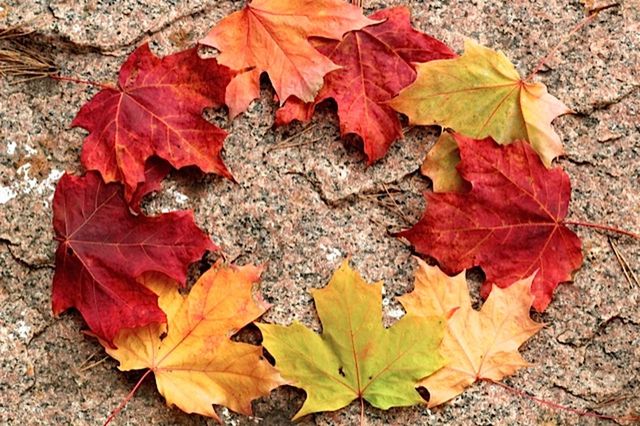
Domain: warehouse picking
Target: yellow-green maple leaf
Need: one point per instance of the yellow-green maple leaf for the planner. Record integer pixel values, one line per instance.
(197, 364)
(355, 357)
(481, 94)
(440, 165)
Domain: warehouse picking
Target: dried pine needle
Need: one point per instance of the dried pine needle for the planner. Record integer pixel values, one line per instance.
(20, 61)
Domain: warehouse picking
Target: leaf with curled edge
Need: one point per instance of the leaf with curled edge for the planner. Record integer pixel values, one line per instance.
(377, 63)
(103, 248)
(192, 356)
(510, 223)
(156, 110)
(272, 36)
(355, 357)
(478, 345)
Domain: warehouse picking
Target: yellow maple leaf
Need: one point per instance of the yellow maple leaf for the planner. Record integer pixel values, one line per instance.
(272, 36)
(196, 364)
(481, 94)
(477, 344)
(440, 165)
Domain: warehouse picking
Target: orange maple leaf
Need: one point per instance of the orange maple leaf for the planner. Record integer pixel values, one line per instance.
(477, 344)
(197, 364)
(272, 36)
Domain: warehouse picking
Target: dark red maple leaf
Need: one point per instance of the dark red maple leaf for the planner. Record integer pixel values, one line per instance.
(510, 223)
(155, 110)
(377, 62)
(155, 170)
(103, 248)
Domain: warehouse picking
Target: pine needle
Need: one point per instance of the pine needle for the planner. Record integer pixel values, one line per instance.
(19, 60)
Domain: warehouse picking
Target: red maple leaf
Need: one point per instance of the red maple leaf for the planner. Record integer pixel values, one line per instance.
(510, 223)
(103, 248)
(155, 170)
(377, 62)
(155, 110)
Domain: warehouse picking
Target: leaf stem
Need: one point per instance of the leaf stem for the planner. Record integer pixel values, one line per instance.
(126, 400)
(603, 228)
(362, 422)
(80, 81)
(563, 407)
(574, 30)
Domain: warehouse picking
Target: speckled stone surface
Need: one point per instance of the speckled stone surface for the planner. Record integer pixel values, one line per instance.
(301, 210)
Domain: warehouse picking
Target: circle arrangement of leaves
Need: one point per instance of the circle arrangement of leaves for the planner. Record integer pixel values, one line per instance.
(496, 199)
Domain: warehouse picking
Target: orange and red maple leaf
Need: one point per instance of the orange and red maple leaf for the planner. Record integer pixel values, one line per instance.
(156, 110)
(376, 64)
(272, 36)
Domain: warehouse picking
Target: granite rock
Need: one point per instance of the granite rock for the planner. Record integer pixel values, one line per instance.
(300, 210)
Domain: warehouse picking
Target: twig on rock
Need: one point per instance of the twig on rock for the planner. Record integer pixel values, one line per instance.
(624, 265)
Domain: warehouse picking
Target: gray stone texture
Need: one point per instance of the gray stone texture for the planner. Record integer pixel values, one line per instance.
(301, 210)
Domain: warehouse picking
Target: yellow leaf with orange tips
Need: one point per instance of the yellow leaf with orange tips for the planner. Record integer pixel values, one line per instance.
(272, 36)
(196, 365)
(477, 344)
(481, 94)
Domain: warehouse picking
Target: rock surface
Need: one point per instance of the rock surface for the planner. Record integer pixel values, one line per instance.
(300, 210)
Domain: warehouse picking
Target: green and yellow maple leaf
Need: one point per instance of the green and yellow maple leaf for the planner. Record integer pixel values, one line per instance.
(481, 94)
(355, 357)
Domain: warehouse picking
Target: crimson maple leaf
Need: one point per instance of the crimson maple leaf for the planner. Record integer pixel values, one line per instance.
(155, 170)
(510, 223)
(377, 62)
(103, 248)
(155, 110)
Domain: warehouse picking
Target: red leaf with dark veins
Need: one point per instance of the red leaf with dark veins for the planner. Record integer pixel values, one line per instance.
(103, 248)
(155, 110)
(510, 223)
(377, 62)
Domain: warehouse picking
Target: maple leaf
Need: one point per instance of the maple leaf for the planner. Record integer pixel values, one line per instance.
(103, 248)
(481, 94)
(155, 170)
(271, 36)
(194, 360)
(440, 164)
(510, 223)
(155, 110)
(377, 62)
(355, 357)
(477, 344)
